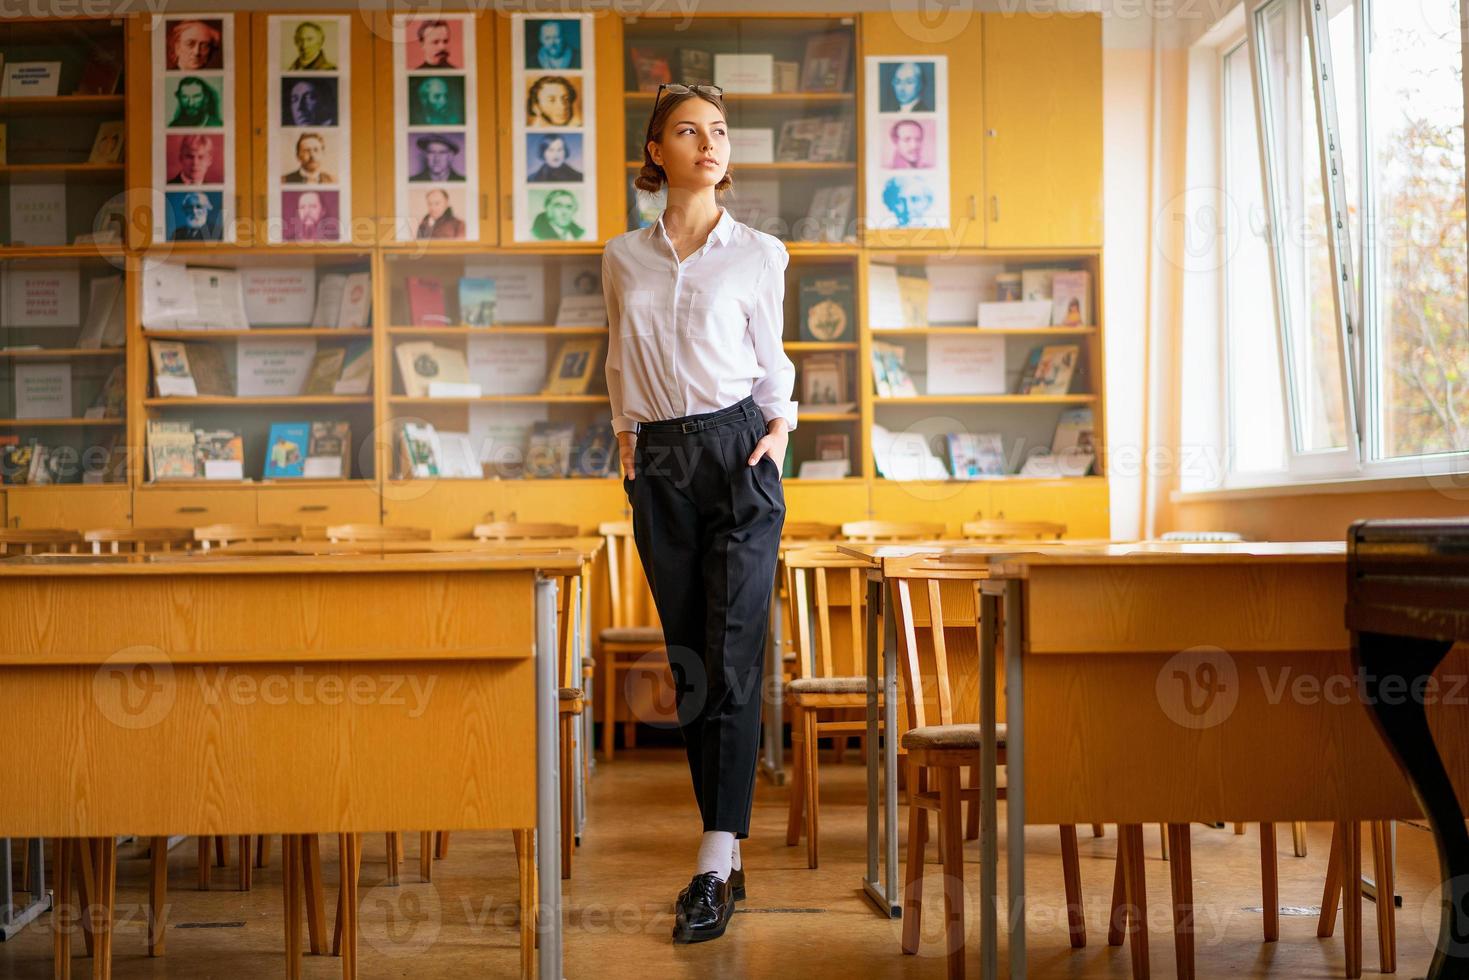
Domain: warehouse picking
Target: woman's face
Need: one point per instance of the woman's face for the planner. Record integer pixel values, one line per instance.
(694, 152)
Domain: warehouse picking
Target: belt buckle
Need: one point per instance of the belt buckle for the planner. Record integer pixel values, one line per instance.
(690, 427)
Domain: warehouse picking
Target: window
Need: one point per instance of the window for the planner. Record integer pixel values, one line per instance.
(1256, 413)
(1345, 293)
(1415, 266)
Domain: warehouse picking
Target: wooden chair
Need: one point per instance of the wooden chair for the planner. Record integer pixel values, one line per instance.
(220, 535)
(809, 531)
(1343, 882)
(35, 541)
(892, 530)
(830, 684)
(376, 532)
(139, 540)
(625, 641)
(1002, 530)
(513, 530)
(939, 746)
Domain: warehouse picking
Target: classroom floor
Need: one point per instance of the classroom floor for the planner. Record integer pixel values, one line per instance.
(641, 838)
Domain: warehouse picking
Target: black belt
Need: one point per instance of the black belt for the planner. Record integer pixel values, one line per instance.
(738, 412)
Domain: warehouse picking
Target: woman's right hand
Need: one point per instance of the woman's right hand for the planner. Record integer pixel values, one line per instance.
(625, 443)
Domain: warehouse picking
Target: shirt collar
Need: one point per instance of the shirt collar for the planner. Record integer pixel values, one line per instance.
(723, 228)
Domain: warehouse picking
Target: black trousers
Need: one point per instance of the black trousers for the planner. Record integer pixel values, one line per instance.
(707, 526)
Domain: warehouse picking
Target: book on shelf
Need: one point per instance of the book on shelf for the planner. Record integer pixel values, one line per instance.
(549, 451)
(457, 458)
(650, 68)
(476, 301)
(751, 144)
(177, 297)
(274, 367)
(1074, 444)
(101, 73)
(111, 399)
(756, 203)
(1007, 287)
(1036, 282)
(418, 450)
(828, 56)
(279, 296)
(889, 375)
(43, 390)
(884, 301)
(502, 432)
(798, 139)
(695, 66)
(327, 309)
(1019, 314)
(787, 76)
(965, 365)
(508, 364)
(905, 456)
(37, 212)
(1053, 370)
(211, 376)
(15, 459)
(329, 451)
(423, 363)
(827, 308)
(834, 139)
(31, 79)
(520, 287)
(954, 292)
(833, 445)
(219, 454)
(326, 369)
(355, 377)
(740, 74)
(913, 290)
(171, 375)
(171, 450)
(824, 382)
(582, 310)
(107, 144)
(356, 309)
(286, 448)
(1071, 298)
(3, 141)
(975, 455)
(824, 469)
(576, 361)
(830, 212)
(42, 297)
(426, 302)
(596, 452)
(106, 320)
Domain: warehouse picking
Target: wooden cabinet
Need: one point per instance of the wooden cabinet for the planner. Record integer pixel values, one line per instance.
(1081, 504)
(72, 507)
(1043, 130)
(953, 502)
(318, 506)
(958, 36)
(825, 501)
(190, 507)
(449, 508)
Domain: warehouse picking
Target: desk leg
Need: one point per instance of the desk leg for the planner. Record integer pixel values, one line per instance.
(1015, 775)
(773, 765)
(104, 897)
(989, 852)
(344, 942)
(1390, 666)
(884, 894)
(62, 922)
(548, 782)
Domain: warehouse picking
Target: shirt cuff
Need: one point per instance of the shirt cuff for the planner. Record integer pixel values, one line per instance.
(783, 410)
(621, 423)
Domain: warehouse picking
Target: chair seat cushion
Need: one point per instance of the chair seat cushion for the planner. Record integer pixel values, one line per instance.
(633, 634)
(569, 693)
(828, 685)
(948, 737)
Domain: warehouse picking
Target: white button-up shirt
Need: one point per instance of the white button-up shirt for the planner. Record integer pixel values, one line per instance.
(698, 335)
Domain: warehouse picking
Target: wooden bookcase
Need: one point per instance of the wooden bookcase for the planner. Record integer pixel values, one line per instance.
(1002, 217)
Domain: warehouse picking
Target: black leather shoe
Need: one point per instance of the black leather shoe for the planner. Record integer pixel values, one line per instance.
(736, 887)
(704, 909)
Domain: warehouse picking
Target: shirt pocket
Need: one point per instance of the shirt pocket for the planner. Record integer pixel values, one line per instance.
(717, 313)
(638, 313)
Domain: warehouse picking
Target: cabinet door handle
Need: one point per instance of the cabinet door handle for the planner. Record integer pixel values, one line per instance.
(995, 207)
(973, 207)
(312, 508)
(192, 510)
(484, 207)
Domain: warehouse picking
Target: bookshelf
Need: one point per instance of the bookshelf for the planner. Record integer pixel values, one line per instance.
(830, 261)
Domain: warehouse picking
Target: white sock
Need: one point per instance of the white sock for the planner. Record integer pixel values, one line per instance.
(734, 857)
(715, 848)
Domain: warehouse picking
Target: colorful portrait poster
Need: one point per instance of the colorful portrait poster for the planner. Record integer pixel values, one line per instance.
(193, 131)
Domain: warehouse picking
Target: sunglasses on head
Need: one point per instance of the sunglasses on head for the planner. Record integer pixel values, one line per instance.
(677, 88)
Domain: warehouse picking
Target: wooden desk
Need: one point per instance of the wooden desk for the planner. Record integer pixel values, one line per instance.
(253, 695)
(1207, 682)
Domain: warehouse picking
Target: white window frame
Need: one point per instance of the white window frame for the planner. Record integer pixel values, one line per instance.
(1354, 281)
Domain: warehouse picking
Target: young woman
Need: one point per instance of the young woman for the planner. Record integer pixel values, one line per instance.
(701, 402)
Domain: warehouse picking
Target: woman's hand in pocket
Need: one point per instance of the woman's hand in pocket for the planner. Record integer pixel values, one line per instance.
(626, 441)
(772, 444)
